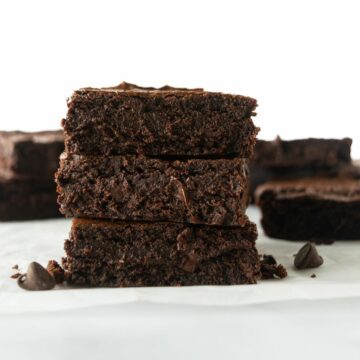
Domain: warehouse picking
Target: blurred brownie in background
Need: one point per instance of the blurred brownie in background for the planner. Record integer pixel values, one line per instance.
(28, 162)
(27, 199)
(315, 209)
(33, 155)
(296, 159)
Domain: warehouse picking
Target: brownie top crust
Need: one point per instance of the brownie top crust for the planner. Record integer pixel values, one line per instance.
(311, 152)
(132, 88)
(320, 188)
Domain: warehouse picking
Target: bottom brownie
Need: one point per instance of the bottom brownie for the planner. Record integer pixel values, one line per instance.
(320, 210)
(123, 254)
(27, 199)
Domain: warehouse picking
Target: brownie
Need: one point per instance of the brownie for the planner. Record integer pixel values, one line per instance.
(103, 253)
(351, 170)
(310, 209)
(198, 191)
(165, 122)
(27, 199)
(35, 155)
(296, 159)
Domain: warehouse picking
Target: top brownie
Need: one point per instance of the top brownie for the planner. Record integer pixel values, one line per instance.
(309, 153)
(169, 122)
(31, 155)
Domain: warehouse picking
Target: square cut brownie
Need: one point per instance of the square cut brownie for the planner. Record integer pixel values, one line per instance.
(104, 253)
(310, 209)
(165, 122)
(27, 199)
(295, 159)
(198, 191)
(32, 155)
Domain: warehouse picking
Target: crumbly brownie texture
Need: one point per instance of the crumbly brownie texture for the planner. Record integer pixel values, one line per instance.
(27, 199)
(160, 254)
(318, 210)
(166, 122)
(195, 191)
(297, 159)
(34, 155)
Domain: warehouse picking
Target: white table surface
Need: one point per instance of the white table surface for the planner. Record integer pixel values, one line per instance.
(296, 318)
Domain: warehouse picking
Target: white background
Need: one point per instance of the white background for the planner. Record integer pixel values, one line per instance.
(300, 59)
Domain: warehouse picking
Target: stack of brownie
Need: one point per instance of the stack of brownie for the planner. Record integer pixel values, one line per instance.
(157, 183)
(28, 162)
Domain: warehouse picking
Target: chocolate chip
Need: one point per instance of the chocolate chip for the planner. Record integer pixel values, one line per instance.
(180, 190)
(190, 262)
(313, 276)
(183, 238)
(308, 257)
(36, 278)
(15, 267)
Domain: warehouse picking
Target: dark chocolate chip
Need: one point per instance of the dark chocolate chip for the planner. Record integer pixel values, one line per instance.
(308, 257)
(190, 262)
(36, 278)
(183, 238)
(15, 267)
(313, 276)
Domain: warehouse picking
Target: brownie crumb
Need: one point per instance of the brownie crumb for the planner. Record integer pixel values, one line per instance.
(15, 267)
(270, 269)
(313, 276)
(16, 275)
(56, 271)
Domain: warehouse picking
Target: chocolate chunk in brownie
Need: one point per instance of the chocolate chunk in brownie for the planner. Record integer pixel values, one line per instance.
(195, 191)
(27, 199)
(320, 210)
(165, 122)
(104, 253)
(296, 159)
(34, 155)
